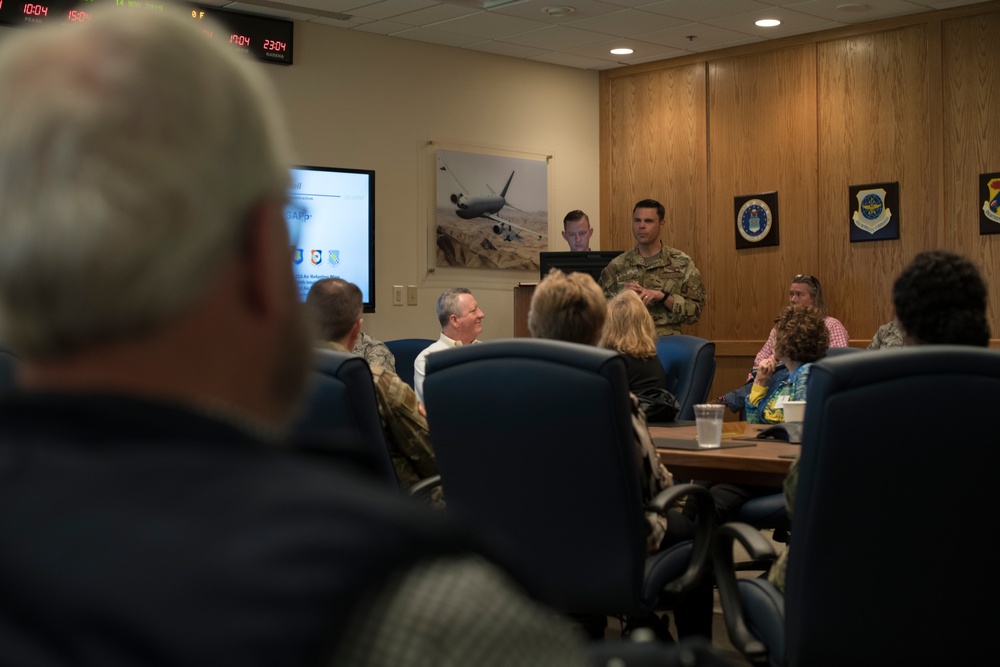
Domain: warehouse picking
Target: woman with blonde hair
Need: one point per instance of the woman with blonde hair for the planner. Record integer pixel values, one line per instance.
(630, 332)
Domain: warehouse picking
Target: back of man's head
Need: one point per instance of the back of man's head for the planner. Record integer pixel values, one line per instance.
(334, 306)
(131, 156)
(940, 299)
(569, 307)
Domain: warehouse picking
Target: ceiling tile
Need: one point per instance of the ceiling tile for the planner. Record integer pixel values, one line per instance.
(556, 38)
(792, 23)
(579, 62)
(485, 25)
(602, 50)
(388, 9)
(627, 22)
(431, 15)
(704, 9)
(706, 37)
(505, 49)
(827, 9)
(436, 36)
(288, 15)
(383, 27)
(532, 9)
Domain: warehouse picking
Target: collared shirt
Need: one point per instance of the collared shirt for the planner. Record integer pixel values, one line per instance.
(420, 363)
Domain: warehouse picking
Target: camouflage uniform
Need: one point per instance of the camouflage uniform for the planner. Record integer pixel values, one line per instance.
(888, 335)
(405, 428)
(374, 352)
(670, 271)
(777, 574)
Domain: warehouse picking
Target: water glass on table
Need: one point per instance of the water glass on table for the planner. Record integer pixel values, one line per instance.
(708, 417)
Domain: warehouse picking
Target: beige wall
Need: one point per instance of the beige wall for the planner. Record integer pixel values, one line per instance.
(372, 102)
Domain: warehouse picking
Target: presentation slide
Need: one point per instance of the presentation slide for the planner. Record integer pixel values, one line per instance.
(330, 223)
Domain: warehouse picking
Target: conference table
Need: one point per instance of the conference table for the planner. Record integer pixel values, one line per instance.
(743, 459)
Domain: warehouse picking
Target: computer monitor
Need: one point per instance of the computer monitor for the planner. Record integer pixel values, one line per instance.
(591, 261)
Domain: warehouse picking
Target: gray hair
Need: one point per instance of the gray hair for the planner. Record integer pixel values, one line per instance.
(448, 304)
(130, 158)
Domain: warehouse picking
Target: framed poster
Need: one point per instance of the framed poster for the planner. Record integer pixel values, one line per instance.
(756, 220)
(491, 210)
(874, 211)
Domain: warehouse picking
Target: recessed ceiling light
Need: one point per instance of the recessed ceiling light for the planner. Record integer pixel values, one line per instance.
(558, 11)
(768, 23)
(621, 52)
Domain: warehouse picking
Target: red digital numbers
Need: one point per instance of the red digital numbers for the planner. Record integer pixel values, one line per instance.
(274, 45)
(78, 15)
(35, 10)
(239, 40)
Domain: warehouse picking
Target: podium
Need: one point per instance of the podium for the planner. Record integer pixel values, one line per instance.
(522, 303)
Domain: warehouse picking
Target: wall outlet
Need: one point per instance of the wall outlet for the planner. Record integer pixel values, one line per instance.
(397, 295)
(411, 295)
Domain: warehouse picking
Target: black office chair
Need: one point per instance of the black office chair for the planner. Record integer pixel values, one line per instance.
(8, 370)
(406, 351)
(536, 447)
(890, 559)
(689, 364)
(840, 351)
(341, 412)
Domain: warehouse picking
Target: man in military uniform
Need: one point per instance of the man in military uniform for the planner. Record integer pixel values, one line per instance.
(374, 352)
(335, 306)
(665, 278)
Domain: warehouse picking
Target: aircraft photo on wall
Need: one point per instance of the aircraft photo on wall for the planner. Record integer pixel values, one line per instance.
(492, 211)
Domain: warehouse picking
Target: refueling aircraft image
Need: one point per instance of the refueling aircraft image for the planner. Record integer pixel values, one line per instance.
(469, 206)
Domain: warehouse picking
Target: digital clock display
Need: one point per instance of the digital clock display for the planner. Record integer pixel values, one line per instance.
(264, 38)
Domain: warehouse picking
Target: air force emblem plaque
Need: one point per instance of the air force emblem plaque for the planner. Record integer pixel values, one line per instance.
(874, 211)
(756, 220)
(871, 214)
(989, 195)
(333, 257)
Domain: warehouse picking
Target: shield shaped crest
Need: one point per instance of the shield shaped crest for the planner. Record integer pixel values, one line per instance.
(872, 213)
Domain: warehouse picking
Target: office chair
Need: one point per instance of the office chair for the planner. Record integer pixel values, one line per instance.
(8, 369)
(536, 447)
(341, 413)
(840, 351)
(689, 364)
(886, 564)
(406, 351)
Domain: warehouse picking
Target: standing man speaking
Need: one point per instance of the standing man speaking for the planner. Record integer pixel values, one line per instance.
(665, 278)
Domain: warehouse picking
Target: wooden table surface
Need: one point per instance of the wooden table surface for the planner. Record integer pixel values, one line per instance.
(764, 462)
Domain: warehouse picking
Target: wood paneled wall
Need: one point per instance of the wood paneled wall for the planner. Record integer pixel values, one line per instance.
(911, 99)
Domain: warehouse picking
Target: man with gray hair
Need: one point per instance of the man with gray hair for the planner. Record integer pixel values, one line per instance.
(148, 515)
(461, 323)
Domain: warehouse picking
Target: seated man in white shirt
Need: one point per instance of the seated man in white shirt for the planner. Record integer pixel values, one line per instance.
(804, 291)
(461, 324)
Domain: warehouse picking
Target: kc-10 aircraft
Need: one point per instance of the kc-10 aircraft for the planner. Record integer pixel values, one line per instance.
(486, 206)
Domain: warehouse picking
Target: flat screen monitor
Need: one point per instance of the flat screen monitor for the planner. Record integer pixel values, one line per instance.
(331, 221)
(592, 261)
